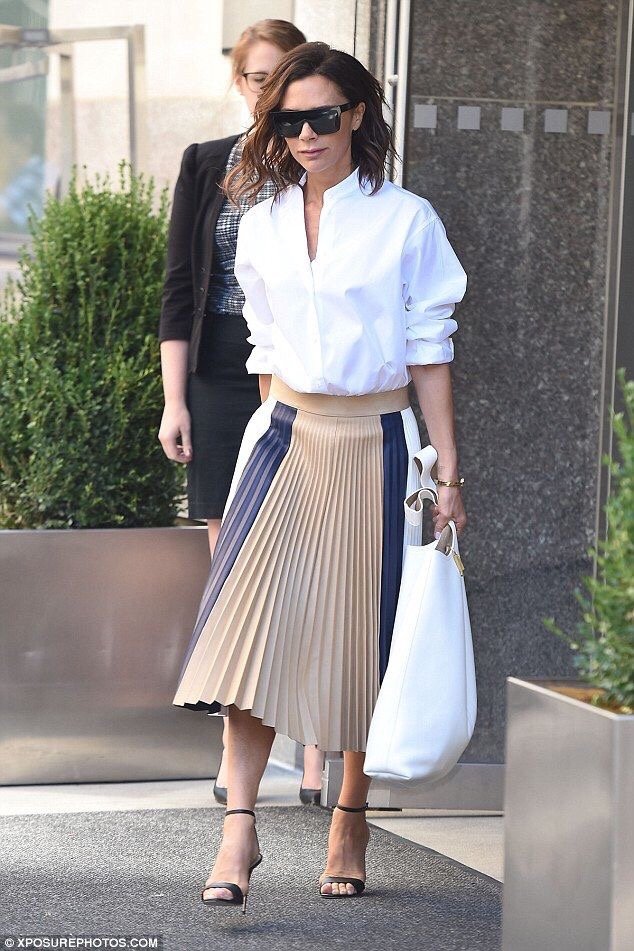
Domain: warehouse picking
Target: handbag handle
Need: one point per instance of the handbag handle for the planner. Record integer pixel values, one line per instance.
(424, 460)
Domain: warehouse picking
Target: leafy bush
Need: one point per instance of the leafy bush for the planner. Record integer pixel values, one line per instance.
(80, 384)
(604, 645)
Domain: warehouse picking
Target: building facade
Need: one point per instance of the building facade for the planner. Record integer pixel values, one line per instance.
(515, 121)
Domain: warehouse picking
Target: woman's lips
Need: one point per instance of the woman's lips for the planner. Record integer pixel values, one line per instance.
(313, 152)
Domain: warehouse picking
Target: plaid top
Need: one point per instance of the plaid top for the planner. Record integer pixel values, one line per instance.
(225, 294)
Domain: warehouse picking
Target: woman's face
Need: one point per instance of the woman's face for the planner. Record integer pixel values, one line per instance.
(321, 153)
(261, 60)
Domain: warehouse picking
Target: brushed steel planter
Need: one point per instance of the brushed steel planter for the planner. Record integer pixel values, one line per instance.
(95, 623)
(569, 823)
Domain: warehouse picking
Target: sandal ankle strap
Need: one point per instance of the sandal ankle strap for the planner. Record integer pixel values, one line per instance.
(228, 812)
(351, 808)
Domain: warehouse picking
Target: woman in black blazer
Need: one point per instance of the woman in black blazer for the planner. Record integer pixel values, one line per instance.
(209, 396)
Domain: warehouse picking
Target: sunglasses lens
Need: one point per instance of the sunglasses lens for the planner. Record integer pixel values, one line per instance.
(289, 130)
(324, 124)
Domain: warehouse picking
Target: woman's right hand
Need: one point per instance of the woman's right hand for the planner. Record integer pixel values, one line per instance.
(175, 423)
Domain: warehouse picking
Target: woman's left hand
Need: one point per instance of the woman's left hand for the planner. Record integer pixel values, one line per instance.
(449, 506)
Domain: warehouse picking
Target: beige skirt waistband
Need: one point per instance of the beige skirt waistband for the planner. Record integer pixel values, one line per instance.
(330, 404)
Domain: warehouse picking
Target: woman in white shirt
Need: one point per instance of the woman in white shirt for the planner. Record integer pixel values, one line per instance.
(350, 285)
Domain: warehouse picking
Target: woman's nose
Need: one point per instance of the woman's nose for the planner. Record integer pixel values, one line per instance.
(307, 132)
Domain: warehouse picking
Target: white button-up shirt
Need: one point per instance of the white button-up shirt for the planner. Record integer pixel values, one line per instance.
(378, 296)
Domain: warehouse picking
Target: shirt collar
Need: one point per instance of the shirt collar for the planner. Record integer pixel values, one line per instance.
(348, 186)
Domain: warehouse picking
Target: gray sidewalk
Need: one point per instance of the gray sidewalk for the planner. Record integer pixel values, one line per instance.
(139, 873)
(475, 840)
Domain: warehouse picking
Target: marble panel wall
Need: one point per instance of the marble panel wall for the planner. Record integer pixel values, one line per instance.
(508, 135)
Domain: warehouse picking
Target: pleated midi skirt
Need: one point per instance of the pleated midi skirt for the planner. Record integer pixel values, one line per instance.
(295, 622)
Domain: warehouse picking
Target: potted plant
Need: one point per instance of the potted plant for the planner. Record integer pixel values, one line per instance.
(100, 579)
(569, 811)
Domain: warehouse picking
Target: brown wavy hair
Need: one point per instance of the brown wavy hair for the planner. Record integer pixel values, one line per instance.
(280, 33)
(265, 155)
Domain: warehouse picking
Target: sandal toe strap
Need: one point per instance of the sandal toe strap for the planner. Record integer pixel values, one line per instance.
(342, 879)
(235, 890)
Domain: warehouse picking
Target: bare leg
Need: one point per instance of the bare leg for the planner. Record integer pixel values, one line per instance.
(349, 833)
(213, 530)
(221, 778)
(248, 749)
(313, 767)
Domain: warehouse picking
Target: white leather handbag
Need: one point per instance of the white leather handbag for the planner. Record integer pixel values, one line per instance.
(425, 711)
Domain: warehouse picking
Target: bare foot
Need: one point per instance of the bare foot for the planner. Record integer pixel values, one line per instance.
(347, 842)
(239, 849)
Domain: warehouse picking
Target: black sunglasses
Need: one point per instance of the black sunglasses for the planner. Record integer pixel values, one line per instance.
(323, 121)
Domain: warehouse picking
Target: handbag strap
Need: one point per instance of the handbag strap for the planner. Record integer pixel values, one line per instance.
(424, 459)
(414, 505)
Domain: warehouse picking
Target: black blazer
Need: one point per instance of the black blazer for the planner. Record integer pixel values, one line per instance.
(195, 209)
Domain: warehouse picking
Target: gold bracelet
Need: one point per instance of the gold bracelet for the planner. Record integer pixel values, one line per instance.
(459, 483)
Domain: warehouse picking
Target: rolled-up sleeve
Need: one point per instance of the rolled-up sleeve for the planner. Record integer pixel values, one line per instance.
(433, 282)
(256, 310)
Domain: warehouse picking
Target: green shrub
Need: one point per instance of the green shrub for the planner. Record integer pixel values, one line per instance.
(604, 645)
(80, 384)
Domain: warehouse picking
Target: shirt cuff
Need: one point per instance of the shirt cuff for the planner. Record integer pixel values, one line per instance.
(424, 351)
(260, 360)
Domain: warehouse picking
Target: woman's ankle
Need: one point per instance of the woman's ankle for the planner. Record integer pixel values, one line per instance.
(351, 804)
(313, 766)
(249, 815)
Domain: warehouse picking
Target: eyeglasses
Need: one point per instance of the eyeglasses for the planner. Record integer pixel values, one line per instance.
(323, 121)
(255, 81)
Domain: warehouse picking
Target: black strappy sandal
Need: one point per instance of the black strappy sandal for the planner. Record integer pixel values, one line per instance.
(238, 897)
(310, 797)
(307, 795)
(342, 879)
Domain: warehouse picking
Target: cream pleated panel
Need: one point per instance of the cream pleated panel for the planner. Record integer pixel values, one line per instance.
(293, 634)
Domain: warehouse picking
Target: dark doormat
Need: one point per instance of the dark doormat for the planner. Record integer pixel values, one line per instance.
(140, 872)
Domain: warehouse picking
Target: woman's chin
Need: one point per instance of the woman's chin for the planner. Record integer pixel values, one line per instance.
(317, 163)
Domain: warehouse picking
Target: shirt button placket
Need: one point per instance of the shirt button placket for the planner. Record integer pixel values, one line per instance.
(316, 323)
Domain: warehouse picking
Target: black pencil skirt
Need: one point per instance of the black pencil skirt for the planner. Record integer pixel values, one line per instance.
(221, 399)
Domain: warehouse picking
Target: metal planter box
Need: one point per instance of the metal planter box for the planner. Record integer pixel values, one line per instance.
(94, 626)
(569, 823)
